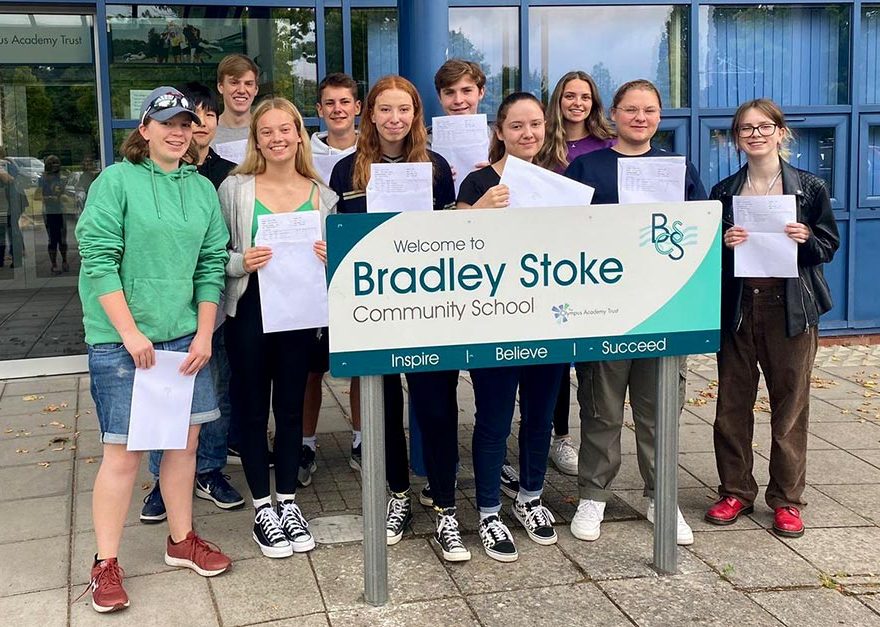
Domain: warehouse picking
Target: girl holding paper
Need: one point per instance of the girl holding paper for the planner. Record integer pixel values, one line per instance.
(153, 246)
(519, 131)
(771, 322)
(275, 177)
(393, 131)
(602, 386)
(576, 125)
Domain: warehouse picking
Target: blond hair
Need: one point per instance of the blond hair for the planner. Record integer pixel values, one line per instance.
(254, 161)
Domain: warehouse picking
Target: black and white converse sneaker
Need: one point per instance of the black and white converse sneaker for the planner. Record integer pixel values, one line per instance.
(269, 535)
(448, 536)
(537, 520)
(509, 480)
(497, 539)
(295, 527)
(397, 516)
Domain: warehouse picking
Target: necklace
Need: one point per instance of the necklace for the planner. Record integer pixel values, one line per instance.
(769, 185)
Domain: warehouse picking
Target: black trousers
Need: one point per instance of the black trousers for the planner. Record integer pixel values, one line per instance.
(264, 368)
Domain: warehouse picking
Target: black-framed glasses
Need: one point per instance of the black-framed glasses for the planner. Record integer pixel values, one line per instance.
(763, 130)
(166, 101)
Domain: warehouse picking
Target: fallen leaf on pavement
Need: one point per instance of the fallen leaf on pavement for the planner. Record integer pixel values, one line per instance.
(32, 397)
(43, 464)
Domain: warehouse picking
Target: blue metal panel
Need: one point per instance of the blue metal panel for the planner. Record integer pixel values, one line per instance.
(836, 276)
(422, 40)
(866, 296)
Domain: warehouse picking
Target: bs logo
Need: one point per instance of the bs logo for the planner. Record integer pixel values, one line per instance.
(668, 240)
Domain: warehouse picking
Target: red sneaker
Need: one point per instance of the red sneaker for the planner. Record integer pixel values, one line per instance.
(192, 552)
(787, 522)
(108, 595)
(726, 510)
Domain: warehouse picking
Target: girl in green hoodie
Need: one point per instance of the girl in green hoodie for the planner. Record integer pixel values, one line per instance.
(153, 247)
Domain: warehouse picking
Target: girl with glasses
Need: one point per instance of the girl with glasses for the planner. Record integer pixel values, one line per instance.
(153, 247)
(602, 386)
(771, 322)
(519, 131)
(275, 177)
(393, 131)
(576, 125)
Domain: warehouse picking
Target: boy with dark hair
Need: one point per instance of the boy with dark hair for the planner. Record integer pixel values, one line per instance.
(460, 86)
(338, 106)
(211, 483)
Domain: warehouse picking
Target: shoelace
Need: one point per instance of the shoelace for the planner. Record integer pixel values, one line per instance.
(494, 531)
(447, 527)
(202, 547)
(396, 512)
(270, 525)
(566, 450)
(508, 474)
(293, 520)
(589, 511)
(111, 574)
(538, 516)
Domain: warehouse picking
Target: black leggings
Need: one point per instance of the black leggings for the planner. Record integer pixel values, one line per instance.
(266, 366)
(560, 412)
(56, 228)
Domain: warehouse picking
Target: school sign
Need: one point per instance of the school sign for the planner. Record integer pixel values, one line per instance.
(469, 289)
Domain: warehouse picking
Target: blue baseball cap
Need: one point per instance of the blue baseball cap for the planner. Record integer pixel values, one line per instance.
(163, 103)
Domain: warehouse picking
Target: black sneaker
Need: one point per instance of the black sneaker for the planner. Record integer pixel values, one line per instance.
(425, 496)
(509, 480)
(269, 535)
(153, 510)
(307, 466)
(398, 516)
(537, 520)
(295, 527)
(497, 539)
(355, 460)
(448, 536)
(215, 486)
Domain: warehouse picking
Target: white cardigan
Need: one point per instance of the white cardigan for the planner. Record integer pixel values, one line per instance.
(237, 197)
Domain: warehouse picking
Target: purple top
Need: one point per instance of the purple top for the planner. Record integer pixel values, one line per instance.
(584, 145)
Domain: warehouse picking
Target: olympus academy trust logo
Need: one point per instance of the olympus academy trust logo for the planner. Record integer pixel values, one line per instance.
(667, 239)
(561, 313)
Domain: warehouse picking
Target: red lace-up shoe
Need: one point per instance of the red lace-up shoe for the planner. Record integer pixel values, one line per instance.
(192, 552)
(726, 510)
(108, 595)
(787, 522)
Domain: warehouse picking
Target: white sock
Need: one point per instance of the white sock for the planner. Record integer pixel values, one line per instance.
(258, 503)
(311, 441)
(283, 498)
(485, 515)
(355, 438)
(524, 498)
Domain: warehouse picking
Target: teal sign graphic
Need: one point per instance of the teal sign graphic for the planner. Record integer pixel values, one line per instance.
(469, 289)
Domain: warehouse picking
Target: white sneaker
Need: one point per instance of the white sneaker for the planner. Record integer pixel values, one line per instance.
(587, 521)
(684, 534)
(564, 456)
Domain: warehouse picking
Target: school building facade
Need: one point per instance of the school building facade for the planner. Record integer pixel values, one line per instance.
(73, 74)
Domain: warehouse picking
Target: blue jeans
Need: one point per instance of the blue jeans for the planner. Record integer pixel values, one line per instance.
(495, 396)
(211, 453)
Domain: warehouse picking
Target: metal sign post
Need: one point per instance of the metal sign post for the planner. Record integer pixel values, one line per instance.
(666, 467)
(373, 490)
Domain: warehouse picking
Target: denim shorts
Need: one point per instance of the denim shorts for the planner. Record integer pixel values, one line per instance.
(112, 372)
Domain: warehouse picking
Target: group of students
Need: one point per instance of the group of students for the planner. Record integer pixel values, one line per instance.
(164, 251)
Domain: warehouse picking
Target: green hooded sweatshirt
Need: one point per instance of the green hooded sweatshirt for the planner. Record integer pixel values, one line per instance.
(157, 236)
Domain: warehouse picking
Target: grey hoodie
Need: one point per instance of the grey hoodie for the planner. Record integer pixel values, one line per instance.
(320, 146)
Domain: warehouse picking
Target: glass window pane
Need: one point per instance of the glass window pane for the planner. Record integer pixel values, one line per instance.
(559, 42)
(664, 140)
(49, 157)
(152, 45)
(373, 45)
(812, 149)
(794, 55)
(871, 46)
(872, 171)
(333, 52)
(496, 49)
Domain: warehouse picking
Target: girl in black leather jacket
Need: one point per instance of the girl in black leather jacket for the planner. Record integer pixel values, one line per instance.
(771, 322)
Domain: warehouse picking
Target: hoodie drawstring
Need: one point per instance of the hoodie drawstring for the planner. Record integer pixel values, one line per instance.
(179, 176)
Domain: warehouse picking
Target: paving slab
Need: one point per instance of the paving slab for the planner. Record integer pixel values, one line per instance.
(702, 466)
(848, 551)
(822, 411)
(172, 598)
(858, 498)
(33, 480)
(872, 456)
(31, 519)
(836, 467)
(60, 423)
(872, 601)
(693, 503)
(26, 451)
(48, 608)
(625, 549)
(25, 568)
(448, 612)
(815, 608)
(312, 620)
(582, 603)
(821, 511)
(18, 404)
(699, 599)
(850, 435)
(287, 589)
(40, 385)
(733, 555)
(414, 574)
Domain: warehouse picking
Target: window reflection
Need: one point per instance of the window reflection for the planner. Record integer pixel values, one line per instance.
(871, 46)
